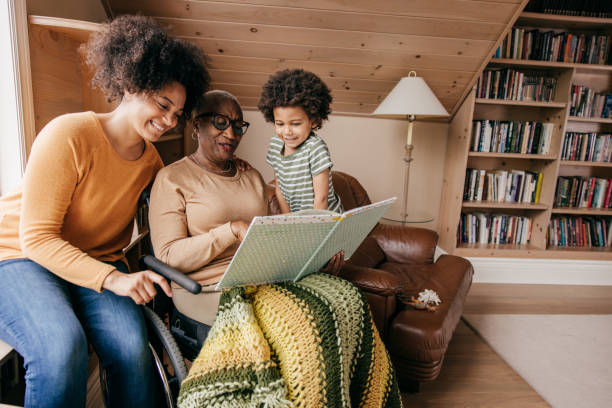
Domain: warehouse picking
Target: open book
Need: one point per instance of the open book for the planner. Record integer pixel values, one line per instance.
(288, 247)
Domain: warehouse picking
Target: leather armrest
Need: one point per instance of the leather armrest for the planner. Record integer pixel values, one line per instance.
(371, 280)
(406, 244)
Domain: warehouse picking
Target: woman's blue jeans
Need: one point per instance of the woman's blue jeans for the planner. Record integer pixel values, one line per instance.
(50, 321)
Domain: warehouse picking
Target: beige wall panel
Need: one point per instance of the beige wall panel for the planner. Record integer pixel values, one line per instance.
(326, 38)
(311, 18)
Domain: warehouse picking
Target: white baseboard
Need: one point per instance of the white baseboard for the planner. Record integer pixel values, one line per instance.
(540, 271)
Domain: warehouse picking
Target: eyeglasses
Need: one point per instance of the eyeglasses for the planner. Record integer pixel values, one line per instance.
(222, 122)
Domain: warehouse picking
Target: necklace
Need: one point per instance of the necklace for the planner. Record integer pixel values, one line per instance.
(230, 166)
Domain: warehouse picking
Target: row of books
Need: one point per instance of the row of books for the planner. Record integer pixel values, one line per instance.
(511, 136)
(533, 44)
(591, 147)
(514, 85)
(588, 232)
(514, 186)
(587, 103)
(586, 8)
(582, 192)
(484, 228)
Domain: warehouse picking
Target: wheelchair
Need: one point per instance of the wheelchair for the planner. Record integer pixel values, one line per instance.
(173, 337)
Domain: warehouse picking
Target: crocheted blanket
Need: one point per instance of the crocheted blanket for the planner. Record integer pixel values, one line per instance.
(307, 344)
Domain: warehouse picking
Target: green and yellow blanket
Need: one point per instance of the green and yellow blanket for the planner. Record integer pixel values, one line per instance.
(307, 344)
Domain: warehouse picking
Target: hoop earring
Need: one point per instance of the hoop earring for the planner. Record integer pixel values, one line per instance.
(195, 135)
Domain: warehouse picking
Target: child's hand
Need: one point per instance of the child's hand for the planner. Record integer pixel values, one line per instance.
(335, 264)
(242, 165)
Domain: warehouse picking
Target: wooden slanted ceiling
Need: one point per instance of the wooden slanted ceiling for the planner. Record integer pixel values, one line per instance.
(361, 48)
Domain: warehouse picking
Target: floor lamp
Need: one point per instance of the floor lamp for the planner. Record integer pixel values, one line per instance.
(410, 98)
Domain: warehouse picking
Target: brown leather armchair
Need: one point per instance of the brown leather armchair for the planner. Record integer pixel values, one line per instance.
(395, 262)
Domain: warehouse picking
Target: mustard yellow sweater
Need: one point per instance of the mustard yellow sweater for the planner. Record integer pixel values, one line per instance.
(76, 203)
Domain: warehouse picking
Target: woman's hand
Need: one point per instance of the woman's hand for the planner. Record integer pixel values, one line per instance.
(242, 165)
(239, 229)
(335, 264)
(138, 286)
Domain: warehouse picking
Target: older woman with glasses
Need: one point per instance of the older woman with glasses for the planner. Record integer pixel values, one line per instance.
(201, 205)
(311, 343)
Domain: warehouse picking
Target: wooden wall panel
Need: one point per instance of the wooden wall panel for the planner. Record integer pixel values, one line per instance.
(56, 79)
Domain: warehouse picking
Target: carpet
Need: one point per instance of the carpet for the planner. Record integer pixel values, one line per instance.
(567, 359)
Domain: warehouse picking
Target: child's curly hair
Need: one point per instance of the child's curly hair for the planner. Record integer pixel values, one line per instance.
(296, 87)
(135, 54)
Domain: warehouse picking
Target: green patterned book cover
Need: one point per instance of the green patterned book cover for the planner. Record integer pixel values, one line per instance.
(288, 247)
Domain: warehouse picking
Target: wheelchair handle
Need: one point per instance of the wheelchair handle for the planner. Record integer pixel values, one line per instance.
(168, 272)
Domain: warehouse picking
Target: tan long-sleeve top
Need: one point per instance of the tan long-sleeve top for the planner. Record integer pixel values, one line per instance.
(190, 214)
(76, 203)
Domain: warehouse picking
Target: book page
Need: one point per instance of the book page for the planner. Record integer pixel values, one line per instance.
(288, 247)
(347, 235)
(275, 248)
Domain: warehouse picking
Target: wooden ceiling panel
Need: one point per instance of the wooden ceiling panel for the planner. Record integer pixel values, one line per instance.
(468, 10)
(222, 62)
(410, 60)
(360, 48)
(316, 18)
(324, 37)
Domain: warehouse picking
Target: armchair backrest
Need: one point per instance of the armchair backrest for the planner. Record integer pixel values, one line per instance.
(351, 192)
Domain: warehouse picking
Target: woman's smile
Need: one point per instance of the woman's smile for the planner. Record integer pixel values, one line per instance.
(157, 126)
(227, 146)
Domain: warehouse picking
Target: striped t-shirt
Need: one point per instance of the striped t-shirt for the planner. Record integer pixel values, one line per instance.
(294, 172)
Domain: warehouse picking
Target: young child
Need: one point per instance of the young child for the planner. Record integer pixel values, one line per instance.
(297, 102)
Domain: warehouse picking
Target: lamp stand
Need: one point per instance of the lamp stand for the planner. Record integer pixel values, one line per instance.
(407, 161)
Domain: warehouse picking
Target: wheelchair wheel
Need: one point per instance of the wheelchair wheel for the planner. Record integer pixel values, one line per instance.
(163, 347)
(165, 350)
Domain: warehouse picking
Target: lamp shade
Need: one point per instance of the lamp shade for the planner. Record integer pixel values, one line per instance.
(411, 96)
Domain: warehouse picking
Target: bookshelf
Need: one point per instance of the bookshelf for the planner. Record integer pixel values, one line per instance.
(460, 157)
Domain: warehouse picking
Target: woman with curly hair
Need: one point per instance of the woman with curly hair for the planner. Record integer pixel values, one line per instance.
(297, 102)
(64, 276)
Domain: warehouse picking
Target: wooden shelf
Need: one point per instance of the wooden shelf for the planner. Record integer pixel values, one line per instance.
(561, 21)
(589, 120)
(561, 252)
(584, 163)
(520, 63)
(513, 155)
(553, 105)
(529, 251)
(595, 212)
(505, 206)
(76, 29)
(500, 250)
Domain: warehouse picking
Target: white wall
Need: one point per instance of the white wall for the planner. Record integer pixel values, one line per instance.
(12, 153)
(371, 150)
